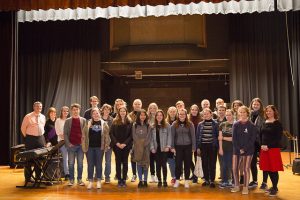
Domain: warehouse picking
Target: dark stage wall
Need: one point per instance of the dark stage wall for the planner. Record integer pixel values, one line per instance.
(6, 19)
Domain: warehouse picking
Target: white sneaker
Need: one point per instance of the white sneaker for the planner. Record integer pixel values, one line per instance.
(152, 179)
(98, 184)
(133, 178)
(187, 184)
(155, 179)
(90, 185)
(80, 182)
(176, 184)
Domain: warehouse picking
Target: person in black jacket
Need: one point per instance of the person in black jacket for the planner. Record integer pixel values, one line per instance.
(270, 158)
(121, 142)
(50, 133)
(257, 118)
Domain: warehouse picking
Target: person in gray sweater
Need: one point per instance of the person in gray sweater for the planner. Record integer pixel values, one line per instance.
(160, 145)
(183, 145)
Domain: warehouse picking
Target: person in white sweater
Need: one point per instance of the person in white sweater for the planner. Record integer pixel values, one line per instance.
(59, 128)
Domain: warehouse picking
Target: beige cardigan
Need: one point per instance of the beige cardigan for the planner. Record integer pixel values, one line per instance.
(105, 139)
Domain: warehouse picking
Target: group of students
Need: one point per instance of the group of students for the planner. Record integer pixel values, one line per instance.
(236, 136)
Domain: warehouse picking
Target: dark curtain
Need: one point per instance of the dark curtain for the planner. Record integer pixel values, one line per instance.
(59, 64)
(260, 64)
(294, 41)
(8, 67)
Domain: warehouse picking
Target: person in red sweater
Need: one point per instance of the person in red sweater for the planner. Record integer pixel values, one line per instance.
(73, 141)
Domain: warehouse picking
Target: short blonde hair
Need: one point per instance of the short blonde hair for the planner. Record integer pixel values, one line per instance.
(245, 108)
(94, 98)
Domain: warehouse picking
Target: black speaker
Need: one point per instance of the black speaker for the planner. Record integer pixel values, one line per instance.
(296, 166)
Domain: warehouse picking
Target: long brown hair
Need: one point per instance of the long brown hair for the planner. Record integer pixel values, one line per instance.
(163, 121)
(198, 113)
(261, 109)
(187, 122)
(239, 102)
(276, 113)
(118, 119)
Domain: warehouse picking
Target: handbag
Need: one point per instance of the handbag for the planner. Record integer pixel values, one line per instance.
(198, 168)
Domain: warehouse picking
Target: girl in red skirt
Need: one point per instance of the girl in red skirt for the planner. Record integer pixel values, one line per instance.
(270, 158)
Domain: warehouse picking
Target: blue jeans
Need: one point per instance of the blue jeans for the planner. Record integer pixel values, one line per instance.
(75, 151)
(227, 166)
(94, 160)
(171, 162)
(64, 153)
(107, 170)
(141, 170)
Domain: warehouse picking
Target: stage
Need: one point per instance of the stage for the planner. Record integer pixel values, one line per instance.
(289, 185)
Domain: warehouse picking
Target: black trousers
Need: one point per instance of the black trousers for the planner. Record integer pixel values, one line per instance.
(183, 156)
(161, 164)
(209, 159)
(152, 163)
(121, 157)
(33, 142)
(254, 166)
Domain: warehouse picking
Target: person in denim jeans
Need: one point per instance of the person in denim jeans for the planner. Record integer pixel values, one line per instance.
(95, 141)
(171, 117)
(225, 148)
(73, 141)
(106, 109)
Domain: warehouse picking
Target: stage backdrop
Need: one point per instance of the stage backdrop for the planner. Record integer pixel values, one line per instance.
(260, 63)
(59, 64)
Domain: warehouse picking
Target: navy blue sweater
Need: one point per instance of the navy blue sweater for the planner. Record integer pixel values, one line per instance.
(243, 137)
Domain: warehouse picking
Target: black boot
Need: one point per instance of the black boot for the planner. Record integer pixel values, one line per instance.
(165, 184)
(145, 184)
(140, 185)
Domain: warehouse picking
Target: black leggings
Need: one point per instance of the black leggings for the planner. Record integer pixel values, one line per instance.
(265, 176)
(274, 176)
(161, 164)
(121, 156)
(183, 156)
(152, 163)
(254, 166)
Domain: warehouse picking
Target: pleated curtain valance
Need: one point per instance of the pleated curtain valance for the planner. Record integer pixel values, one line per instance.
(75, 10)
(287, 5)
(45, 10)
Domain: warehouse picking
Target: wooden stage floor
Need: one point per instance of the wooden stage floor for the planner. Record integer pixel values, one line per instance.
(289, 189)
